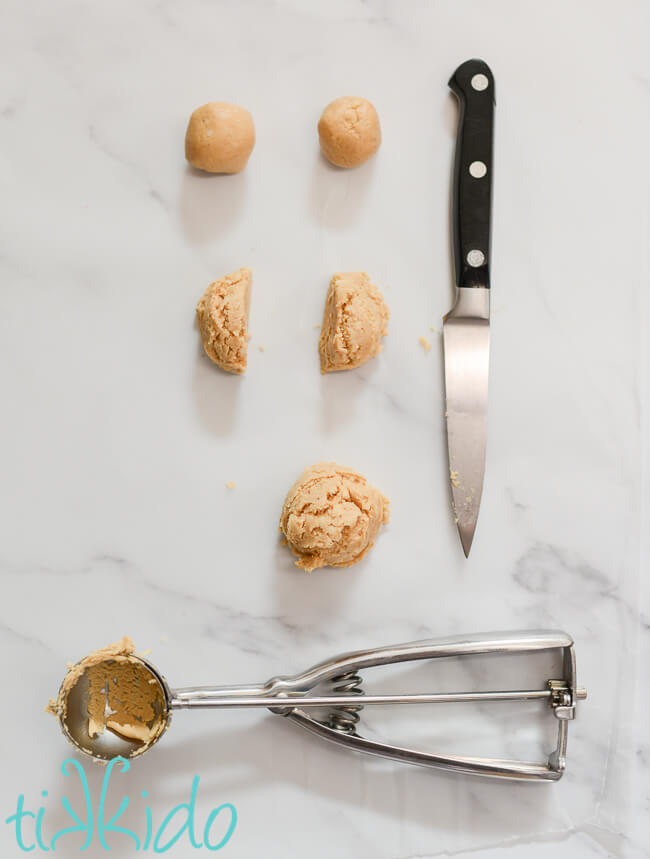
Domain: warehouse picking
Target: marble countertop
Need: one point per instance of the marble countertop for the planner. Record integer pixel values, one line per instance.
(118, 435)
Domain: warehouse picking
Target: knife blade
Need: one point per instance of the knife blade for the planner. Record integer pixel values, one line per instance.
(466, 328)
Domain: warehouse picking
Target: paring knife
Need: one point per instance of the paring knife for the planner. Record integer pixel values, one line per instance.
(466, 328)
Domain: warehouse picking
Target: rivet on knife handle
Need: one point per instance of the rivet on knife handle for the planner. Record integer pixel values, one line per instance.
(466, 328)
(473, 84)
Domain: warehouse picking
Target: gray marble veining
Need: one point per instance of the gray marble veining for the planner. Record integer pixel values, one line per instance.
(118, 436)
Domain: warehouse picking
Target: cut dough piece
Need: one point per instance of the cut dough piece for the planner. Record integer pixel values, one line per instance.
(349, 131)
(354, 322)
(222, 315)
(331, 516)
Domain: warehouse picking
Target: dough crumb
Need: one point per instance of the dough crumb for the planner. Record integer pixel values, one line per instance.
(349, 131)
(331, 516)
(230, 484)
(219, 137)
(222, 315)
(453, 476)
(425, 344)
(354, 321)
(261, 348)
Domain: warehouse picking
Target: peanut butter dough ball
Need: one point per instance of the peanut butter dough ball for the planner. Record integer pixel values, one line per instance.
(354, 322)
(220, 137)
(331, 516)
(222, 314)
(349, 131)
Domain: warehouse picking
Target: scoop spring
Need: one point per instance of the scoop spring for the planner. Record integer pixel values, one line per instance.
(346, 718)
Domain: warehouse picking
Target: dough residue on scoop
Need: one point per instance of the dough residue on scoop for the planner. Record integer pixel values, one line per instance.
(119, 696)
(222, 315)
(331, 516)
(354, 321)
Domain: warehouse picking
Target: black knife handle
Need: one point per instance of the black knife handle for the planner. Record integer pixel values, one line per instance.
(473, 83)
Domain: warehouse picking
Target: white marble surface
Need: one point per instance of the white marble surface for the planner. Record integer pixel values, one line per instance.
(118, 436)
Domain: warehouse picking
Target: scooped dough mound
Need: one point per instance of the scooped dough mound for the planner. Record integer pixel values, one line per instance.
(222, 315)
(331, 516)
(354, 322)
(220, 137)
(349, 131)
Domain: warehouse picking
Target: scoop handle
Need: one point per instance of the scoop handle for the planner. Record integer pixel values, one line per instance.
(202, 699)
(292, 690)
(473, 84)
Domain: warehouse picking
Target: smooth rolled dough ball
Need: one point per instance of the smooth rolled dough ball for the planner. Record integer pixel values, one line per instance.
(220, 137)
(222, 315)
(354, 322)
(331, 516)
(349, 131)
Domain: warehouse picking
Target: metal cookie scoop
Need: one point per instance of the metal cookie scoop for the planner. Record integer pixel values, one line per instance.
(341, 702)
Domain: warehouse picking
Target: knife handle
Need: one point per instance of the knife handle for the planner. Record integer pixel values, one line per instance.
(473, 84)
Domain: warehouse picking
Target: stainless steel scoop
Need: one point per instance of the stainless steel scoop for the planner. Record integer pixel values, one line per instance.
(344, 699)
